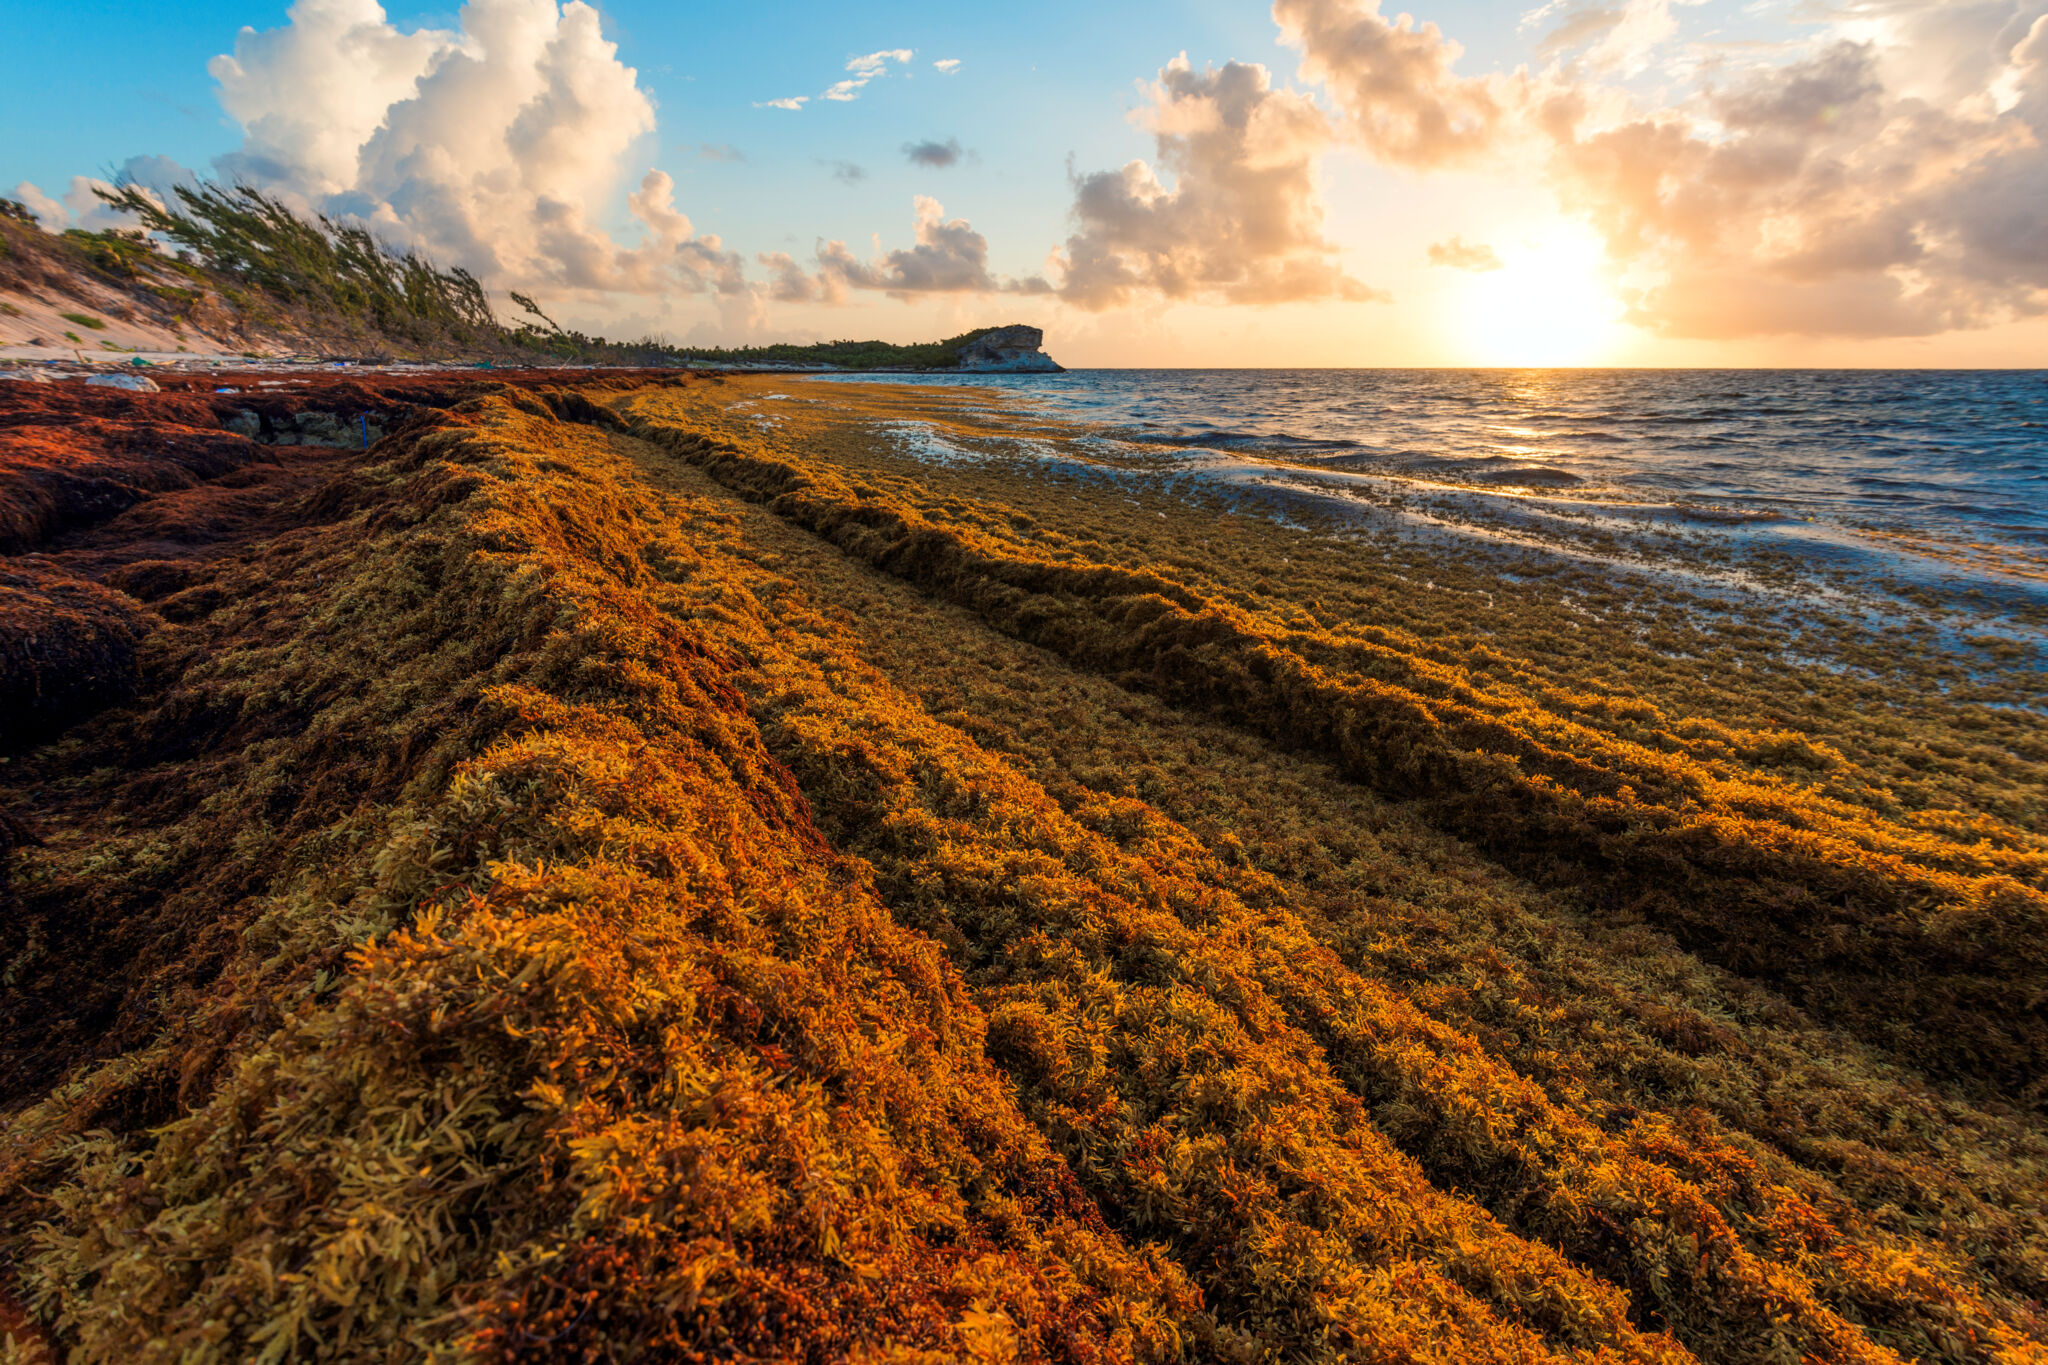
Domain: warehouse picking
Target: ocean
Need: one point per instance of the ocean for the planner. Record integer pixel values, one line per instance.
(1919, 479)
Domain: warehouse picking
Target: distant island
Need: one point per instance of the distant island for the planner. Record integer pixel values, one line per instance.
(245, 276)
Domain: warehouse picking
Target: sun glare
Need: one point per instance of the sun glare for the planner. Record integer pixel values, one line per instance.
(1548, 304)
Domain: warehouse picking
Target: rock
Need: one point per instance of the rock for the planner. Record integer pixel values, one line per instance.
(308, 429)
(30, 377)
(134, 383)
(332, 429)
(1009, 350)
(322, 429)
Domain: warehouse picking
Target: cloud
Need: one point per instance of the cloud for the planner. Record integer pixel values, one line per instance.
(1578, 28)
(81, 206)
(950, 257)
(1611, 38)
(310, 94)
(490, 146)
(787, 282)
(1459, 254)
(791, 102)
(1815, 198)
(50, 212)
(1883, 176)
(1642, 27)
(1394, 82)
(933, 155)
(866, 69)
(845, 172)
(877, 62)
(674, 255)
(1242, 220)
(948, 65)
(719, 151)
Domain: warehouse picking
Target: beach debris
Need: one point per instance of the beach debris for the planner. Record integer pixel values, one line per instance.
(134, 383)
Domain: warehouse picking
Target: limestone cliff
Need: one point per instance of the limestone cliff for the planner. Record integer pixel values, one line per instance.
(1011, 350)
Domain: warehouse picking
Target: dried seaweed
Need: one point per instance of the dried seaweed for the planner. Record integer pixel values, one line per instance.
(1827, 898)
(67, 647)
(593, 887)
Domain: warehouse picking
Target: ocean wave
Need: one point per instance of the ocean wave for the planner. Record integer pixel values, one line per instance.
(1932, 452)
(1279, 441)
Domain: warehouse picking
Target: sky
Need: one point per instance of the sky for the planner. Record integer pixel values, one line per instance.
(1200, 182)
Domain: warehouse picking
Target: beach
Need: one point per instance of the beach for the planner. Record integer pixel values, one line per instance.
(880, 859)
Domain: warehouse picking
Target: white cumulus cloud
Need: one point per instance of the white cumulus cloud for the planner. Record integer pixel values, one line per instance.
(1242, 220)
(865, 69)
(949, 257)
(81, 205)
(310, 94)
(492, 145)
(49, 211)
(876, 62)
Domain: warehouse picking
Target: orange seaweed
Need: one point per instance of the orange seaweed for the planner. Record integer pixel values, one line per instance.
(575, 883)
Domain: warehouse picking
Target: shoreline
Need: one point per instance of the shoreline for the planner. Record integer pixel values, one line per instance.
(1734, 561)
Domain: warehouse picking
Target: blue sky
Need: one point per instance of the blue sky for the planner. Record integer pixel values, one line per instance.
(1434, 258)
(1036, 85)
(1037, 76)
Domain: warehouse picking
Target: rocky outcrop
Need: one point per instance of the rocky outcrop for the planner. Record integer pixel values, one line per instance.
(1009, 350)
(309, 428)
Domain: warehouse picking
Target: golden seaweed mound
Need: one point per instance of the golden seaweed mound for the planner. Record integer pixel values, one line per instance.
(602, 876)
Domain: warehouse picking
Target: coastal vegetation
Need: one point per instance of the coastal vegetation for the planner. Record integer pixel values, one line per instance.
(571, 347)
(247, 264)
(661, 868)
(316, 265)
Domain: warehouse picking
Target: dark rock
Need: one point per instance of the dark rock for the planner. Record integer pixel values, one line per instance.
(1009, 350)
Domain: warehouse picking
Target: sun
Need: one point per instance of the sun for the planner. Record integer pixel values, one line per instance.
(1549, 303)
